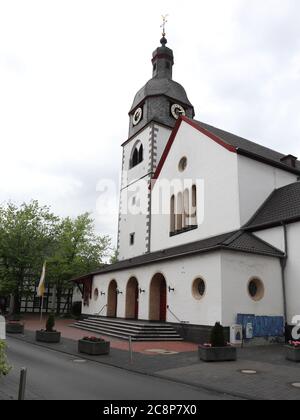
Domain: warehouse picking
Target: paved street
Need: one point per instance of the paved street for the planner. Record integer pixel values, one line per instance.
(58, 376)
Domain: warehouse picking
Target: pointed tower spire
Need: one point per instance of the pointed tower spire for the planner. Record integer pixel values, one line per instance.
(163, 58)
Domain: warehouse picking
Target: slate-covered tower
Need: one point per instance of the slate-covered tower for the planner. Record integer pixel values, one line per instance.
(154, 112)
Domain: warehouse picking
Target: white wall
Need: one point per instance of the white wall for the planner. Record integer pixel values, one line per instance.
(256, 182)
(135, 183)
(237, 270)
(180, 274)
(133, 219)
(274, 236)
(219, 203)
(293, 271)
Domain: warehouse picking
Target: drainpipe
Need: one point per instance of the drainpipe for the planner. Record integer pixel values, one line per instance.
(283, 263)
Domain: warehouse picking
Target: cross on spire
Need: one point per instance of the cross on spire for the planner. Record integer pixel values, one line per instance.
(163, 26)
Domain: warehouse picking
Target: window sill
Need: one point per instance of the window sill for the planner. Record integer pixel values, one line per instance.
(185, 230)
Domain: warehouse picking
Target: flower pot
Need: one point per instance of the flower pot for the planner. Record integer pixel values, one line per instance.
(14, 328)
(47, 337)
(217, 354)
(93, 348)
(292, 353)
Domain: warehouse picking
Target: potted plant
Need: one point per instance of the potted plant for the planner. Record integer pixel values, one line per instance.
(218, 350)
(50, 335)
(293, 351)
(14, 325)
(93, 346)
(4, 366)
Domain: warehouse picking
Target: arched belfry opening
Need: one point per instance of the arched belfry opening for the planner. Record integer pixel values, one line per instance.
(158, 298)
(132, 299)
(112, 299)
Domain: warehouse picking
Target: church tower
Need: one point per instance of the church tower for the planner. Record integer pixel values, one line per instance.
(153, 115)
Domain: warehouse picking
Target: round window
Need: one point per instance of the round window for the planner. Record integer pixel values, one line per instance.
(199, 288)
(256, 289)
(96, 294)
(182, 164)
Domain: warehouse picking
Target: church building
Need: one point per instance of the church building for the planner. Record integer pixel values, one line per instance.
(209, 224)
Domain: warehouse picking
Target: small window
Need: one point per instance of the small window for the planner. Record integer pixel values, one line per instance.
(256, 289)
(133, 201)
(199, 288)
(96, 294)
(137, 155)
(132, 238)
(182, 164)
(168, 65)
(154, 66)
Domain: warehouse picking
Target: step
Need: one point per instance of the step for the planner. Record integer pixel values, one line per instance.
(128, 331)
(135, 329)
(129, 322)
(126, 337)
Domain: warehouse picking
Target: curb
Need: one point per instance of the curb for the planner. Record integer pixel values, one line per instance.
(141, 372)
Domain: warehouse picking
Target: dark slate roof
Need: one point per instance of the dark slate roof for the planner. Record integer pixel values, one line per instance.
(283, 205)
(234, 241)
(158, 86)
(248, 147)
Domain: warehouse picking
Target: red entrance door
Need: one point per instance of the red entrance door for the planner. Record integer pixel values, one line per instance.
(163, 301)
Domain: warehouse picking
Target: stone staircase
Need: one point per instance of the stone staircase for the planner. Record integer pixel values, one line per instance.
(139, 331)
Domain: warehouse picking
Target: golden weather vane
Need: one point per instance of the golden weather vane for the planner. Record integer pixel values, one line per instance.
(163, 26)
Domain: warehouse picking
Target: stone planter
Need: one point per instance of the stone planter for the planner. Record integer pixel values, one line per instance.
(93, 348)
(48, 337)
(217, 354)
(14, 328)
(292, 354)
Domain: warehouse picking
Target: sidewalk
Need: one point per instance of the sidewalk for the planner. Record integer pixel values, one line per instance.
(179, 362)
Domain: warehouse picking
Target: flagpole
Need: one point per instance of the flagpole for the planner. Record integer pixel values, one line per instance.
(42, 307)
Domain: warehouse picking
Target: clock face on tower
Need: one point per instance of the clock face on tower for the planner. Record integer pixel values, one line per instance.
(177, 110)
(137, 116)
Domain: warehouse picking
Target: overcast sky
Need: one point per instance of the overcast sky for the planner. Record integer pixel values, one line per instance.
(69, 70)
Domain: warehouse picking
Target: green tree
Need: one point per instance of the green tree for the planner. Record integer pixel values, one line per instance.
(78, 250)
(114, 257)
(27, 237)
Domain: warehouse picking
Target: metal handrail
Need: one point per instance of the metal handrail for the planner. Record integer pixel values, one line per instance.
(172, 313)
(99, 313)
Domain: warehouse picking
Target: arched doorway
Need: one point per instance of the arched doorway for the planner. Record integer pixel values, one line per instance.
(112, 299)
(132, 299)
(158, 298)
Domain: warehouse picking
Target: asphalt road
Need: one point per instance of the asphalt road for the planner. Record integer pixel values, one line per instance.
(57, 376)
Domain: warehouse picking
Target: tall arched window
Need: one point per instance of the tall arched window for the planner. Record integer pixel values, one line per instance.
(186, 208)
(172, 215)
(141, 154)
(179, 212)
(194, 206)
(137, 155)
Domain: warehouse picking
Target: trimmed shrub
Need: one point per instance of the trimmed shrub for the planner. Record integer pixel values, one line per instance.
(50, 323)
(217, 337)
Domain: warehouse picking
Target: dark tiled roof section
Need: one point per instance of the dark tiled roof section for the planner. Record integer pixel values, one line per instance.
(249, 146)
(250, 243)
(283, 205)
(166, 87)
(234, 241)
